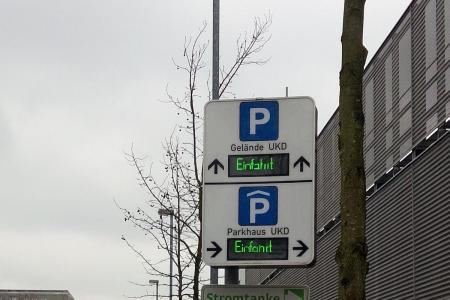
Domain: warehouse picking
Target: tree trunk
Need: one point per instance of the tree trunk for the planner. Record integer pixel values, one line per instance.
(351, 255)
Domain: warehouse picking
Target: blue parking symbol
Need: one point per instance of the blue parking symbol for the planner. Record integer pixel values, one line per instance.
(258, 121)
(258, 205)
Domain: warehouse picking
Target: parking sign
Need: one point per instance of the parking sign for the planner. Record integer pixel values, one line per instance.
(258, 193)
(258, 205)
(258, 121)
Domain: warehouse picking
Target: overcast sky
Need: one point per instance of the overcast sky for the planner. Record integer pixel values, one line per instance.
(80, 81)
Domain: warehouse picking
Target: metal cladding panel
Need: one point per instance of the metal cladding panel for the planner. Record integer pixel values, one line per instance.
(379, 144)
(431, 188)
(419, 71)
(329, 172)
(322, 278)
(390, 240)
(368, 102)
(256, 276)
(403, 118)
(429, 91)
(290, 276)
(407, 230)
(373, 101)
(443, 65)
(395, 100)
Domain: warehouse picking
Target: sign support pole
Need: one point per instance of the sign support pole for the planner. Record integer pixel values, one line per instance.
(214, 272)
(215, 60)
(232, 275)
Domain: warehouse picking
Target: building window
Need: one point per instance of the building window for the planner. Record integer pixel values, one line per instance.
(389, 139)
(389, 162)
(447, 78)
(370, 158)
(432, 123)
(403, 102)
(405, 122)
(388, 118)
(405, 67)
(370, 179)
(430, 39)
(368, 106)
(431, 96)
(388, 88)
(405, 147)
(447, 29)
(368, 139)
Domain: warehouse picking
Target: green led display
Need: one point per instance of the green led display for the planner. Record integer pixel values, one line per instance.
(258, 165)
(257, 248)
(250, 246)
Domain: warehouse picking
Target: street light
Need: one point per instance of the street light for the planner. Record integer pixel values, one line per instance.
(154, 281)
(169, 212)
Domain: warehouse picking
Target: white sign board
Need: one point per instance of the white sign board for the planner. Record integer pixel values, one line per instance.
(259, 179)
(255, 292)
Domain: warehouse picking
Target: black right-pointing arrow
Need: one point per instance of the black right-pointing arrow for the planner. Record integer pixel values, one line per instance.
(301, 161)
(216, 248)
(303, 248)
(215, 163)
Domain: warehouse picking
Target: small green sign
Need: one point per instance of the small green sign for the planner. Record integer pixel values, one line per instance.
(294, 294)
(254, 292)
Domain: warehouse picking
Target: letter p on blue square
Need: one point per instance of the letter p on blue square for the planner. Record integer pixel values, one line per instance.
(258, 121)
(258, 205)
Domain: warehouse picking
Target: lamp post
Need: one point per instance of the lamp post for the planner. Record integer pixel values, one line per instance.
(169, 212)
(154, 281)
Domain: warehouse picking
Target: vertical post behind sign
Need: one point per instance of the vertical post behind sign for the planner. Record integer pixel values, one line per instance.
(214, 272)
(232, 273)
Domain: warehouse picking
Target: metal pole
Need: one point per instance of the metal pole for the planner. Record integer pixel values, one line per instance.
(154, 281)
(214, 272)
(171, 256)
(215, 66)
(232, 275)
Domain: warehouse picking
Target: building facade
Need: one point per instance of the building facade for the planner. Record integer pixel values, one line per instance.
(35, 295)
(407, 153)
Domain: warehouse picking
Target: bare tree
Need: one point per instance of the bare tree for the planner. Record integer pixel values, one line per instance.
(180, 189)
(178, 196)
(352, 252)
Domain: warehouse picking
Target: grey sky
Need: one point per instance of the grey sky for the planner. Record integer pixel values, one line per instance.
(82, 80)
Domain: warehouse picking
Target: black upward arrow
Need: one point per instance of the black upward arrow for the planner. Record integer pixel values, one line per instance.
(216, 163)
(217, 249)
(301, 161)
(303, 248)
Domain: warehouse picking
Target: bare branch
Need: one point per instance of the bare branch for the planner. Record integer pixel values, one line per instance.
(247, 47)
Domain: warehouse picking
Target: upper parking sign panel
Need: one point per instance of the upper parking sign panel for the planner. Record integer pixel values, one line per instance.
(258, 121)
